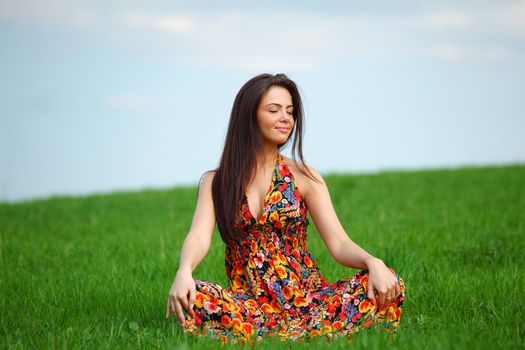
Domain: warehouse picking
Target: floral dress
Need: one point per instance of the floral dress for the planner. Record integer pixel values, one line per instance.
(275, 287)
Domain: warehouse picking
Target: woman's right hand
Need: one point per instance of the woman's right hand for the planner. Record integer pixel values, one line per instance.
(182, 295)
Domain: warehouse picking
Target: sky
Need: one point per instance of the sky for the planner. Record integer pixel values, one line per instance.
(102, 96)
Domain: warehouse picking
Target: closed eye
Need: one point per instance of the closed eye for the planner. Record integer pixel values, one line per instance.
(289, 112)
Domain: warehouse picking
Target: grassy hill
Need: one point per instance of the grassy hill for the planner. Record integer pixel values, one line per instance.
(94, 271)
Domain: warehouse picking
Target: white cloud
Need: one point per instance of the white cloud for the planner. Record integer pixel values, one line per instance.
(511, 19)
(309, 41)
(68, 13)
(447, 20)
(284, 40)
(255, 62)
(140, 102)
(454, 53)
(129, 102)
(167, 23)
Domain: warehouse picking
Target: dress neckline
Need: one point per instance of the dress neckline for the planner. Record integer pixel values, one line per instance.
(278, 159)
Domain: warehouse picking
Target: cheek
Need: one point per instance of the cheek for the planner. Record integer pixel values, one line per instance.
(262, 121)
(264, 117)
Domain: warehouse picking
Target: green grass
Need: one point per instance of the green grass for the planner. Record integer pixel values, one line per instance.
(94, 271)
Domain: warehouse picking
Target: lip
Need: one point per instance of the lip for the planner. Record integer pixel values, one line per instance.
(283, 129)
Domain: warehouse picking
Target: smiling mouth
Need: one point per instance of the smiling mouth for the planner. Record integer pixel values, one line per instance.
(283, 129)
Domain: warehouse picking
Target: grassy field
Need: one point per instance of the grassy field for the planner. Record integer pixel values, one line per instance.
(94, 272)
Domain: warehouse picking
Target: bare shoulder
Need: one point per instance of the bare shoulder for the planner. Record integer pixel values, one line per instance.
(304, 183)
(208, 175)
(206, 180)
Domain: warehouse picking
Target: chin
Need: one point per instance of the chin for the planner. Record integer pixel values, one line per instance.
(278, 140)
(281, 141)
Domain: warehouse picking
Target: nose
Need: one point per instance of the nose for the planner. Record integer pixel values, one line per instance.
(285, 115)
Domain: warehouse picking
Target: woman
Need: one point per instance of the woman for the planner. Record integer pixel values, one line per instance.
(259, 200)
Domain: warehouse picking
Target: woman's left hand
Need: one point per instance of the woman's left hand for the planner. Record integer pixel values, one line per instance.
(382, 279)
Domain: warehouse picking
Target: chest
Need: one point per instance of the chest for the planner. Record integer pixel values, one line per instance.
(259, 189)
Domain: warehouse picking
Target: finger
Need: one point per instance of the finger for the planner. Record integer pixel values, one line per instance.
(382, 296)
(393, 294)
(192, 302)
(184, 302)
(390, 296)
(172, 303)
(398, 289)
(370, 293)
(179, 313)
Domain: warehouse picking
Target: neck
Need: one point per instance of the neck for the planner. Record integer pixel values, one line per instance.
(267, 157)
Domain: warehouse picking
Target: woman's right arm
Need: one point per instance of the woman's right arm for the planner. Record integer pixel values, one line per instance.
(194, 249)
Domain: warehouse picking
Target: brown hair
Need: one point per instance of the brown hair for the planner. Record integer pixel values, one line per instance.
(243, 143)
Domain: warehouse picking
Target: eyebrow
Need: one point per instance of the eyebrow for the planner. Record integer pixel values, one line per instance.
(277, 105)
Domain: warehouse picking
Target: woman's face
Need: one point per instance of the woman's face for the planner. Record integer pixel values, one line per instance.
(274, 115)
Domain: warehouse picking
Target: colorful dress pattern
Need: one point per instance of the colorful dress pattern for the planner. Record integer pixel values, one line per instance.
(275, 287)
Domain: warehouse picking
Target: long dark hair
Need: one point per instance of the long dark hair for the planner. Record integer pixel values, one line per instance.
(243, 143)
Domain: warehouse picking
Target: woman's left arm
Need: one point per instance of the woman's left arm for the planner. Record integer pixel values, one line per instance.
(342, 248)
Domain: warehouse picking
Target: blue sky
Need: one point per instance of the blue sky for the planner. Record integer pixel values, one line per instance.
(100, 96)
